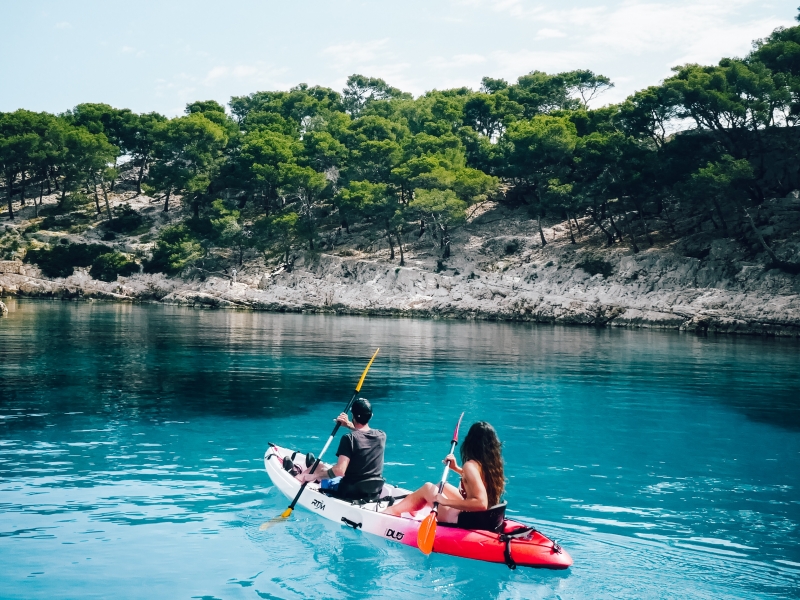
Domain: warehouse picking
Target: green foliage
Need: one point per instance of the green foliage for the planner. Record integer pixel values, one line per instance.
(175, 249)
(279, 232)
(593, 266)
(126, 220)
(10, 244)
(107, 267)
(292, 165)
(61, 260)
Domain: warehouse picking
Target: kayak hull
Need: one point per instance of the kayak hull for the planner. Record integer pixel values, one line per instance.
(533, 550)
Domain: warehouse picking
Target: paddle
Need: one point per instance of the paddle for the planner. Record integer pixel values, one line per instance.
(285, 514)
(427, 529)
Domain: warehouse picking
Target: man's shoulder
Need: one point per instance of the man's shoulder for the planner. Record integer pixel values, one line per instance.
(370, 434)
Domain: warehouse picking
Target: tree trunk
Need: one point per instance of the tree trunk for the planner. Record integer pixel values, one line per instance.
(141, 176)
(391, 246)
(578, 226)
(646, 229)
(22, 190)
(421, 228)
(400, 246)
(105, 197)
(41, 193)
(722, 218)
(166, 202)
(113, 181)
(599, 223)
(571, 237)
(761, 239)
(446, 240)
(614, 225)
(96, 199)
(634, 245)
(9, 192)
(541, 231)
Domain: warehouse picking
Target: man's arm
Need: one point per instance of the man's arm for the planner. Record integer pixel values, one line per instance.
(340, 468)
(327, 472)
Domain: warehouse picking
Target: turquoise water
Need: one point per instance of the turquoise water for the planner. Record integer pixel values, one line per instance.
(131, 444)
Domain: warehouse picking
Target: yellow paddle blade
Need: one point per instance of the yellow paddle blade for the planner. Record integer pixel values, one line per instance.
(283, 516)
(364, 374)
(427, 534)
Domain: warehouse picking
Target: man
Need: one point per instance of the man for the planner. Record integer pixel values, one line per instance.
(358, 472)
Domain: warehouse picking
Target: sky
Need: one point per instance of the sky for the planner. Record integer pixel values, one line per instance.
(159, 55)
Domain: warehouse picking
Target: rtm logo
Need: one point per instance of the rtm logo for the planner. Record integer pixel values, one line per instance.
(395, 535)
(318, 504)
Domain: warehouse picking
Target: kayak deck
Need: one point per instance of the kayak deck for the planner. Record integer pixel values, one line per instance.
(528, 548)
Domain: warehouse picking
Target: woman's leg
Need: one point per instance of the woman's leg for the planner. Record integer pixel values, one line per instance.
(446, 513)
(414, 501)
(319, 472)
(424, 497)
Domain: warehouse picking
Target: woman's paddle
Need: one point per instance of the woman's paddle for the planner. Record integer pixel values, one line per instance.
(285, 514)
(427, 529)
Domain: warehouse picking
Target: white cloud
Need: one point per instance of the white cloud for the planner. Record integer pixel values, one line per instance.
(356, 52)
(63, 25)
(456, 62)
(550, 33)
(215, 74)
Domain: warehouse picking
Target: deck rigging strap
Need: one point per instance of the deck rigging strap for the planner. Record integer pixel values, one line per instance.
(350, 523)
(514, 534)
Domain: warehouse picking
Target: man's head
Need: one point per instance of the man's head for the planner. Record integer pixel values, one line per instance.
(362, 411)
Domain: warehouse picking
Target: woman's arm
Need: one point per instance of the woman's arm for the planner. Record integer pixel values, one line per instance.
(453, 464)
(473, 488)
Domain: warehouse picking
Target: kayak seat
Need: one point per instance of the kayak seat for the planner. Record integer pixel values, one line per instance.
(491, 519)
(365, 490)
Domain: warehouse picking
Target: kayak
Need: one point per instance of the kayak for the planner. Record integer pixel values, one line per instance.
(514, 544)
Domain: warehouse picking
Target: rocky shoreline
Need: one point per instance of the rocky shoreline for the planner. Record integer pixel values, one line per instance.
(657, 288)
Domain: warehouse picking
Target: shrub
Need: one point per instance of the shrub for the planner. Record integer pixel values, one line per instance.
(175, 249)
(75, 201)
(9, 245)
(109, 236)
(107, 267)
(512, 247)
(61, 260)
(125, 220)
(593, 266)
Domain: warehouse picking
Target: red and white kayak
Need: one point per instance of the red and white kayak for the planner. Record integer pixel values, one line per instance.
(516, 544)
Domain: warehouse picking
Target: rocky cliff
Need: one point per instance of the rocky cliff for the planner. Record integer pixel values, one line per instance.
(499, 271)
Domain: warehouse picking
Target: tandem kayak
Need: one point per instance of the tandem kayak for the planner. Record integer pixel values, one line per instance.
(513, 544)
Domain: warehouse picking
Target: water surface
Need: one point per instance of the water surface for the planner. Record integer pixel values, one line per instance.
(131, 444)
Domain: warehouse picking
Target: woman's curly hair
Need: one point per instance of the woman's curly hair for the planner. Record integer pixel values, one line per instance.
(482, 445)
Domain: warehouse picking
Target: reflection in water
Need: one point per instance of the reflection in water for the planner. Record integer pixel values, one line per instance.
(131, 440)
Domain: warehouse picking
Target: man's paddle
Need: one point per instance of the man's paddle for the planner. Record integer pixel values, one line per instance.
(427, 529)
(285, 514)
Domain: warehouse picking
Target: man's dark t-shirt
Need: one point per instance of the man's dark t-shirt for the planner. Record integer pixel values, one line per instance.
(365, 451)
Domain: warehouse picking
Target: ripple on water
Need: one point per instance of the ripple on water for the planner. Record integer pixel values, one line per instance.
(131, 443)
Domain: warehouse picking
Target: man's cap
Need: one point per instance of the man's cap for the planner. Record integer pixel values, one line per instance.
(362, 410)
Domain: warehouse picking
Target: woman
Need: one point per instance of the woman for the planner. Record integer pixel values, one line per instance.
(482, 480)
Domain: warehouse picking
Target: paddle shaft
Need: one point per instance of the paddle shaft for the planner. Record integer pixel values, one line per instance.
(435, 508)
(333, 433)
(324, 449)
